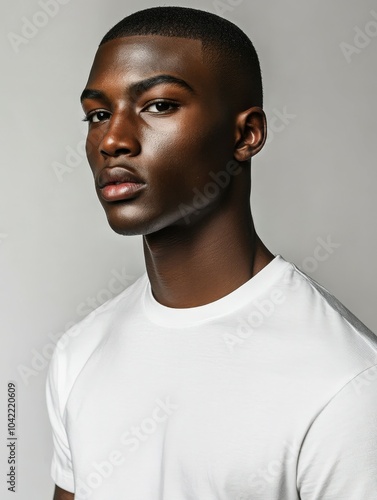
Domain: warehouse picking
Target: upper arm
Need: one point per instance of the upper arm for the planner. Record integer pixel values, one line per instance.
(338, 458)
(61, 494)
(61, 465)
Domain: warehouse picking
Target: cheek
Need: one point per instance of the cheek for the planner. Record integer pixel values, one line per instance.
(177, 170)
(191, 140)
(171, 160)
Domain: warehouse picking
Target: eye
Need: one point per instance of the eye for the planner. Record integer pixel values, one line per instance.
(161, 107)
(96, 116)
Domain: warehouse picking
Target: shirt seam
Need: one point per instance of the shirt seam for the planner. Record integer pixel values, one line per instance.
(324, 407)
(314, 285)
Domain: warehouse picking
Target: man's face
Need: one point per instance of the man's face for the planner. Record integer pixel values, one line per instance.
(158, 126)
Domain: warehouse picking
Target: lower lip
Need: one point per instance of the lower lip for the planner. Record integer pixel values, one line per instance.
(118, 192)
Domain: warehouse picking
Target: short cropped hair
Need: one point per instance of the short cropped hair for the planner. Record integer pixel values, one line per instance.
(228, 46)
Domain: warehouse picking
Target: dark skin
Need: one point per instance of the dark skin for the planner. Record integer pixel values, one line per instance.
(171, 133)
(61, 494)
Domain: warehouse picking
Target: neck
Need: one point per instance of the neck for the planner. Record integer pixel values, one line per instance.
(194, 265)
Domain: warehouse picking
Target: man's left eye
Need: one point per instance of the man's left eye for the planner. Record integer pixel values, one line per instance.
(161, 107)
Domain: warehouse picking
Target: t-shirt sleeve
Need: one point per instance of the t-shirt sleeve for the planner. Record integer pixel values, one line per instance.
(338, 458)
(61, 466)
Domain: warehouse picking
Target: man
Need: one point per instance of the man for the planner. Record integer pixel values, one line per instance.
(223, 372)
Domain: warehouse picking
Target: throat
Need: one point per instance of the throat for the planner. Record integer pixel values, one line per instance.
(194, 272)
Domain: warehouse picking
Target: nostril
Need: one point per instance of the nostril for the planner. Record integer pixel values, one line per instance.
(115, 152)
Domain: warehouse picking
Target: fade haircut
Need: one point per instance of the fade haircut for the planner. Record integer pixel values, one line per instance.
(224, 44)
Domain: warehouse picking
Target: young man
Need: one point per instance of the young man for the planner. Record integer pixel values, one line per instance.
(223, 373)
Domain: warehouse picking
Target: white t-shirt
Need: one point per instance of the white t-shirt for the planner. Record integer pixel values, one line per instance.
(267, 393)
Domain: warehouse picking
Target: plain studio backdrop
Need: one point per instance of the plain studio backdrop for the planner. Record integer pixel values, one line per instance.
(313, 191)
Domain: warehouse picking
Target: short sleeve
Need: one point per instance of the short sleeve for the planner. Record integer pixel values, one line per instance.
(61, 466)
(338, 458)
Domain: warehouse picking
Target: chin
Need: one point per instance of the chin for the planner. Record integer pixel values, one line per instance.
(124, 222)
(131, 227)
(124, 229)
(142, 224)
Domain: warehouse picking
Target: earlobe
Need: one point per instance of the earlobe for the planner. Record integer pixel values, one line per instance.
(251, 133)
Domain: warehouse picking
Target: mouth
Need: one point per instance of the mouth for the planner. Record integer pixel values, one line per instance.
(118, 183)
(120, 191)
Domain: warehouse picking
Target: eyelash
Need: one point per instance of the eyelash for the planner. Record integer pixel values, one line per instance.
(162, 101)
(89, 116)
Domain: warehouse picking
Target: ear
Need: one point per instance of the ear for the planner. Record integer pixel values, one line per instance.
(251, 133)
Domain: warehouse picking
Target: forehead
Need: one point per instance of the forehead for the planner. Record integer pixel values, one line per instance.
(136, 57)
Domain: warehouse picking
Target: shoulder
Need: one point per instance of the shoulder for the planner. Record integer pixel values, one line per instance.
(330, 344)
(324, 316)
(79, 342)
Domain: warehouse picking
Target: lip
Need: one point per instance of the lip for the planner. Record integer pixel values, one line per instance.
(118, 183)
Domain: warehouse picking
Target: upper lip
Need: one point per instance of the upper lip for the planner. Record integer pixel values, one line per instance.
(116, 175)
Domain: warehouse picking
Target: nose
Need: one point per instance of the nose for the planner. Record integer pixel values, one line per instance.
(120, 138)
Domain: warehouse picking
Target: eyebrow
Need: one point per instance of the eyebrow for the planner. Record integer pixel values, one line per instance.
(137, 88)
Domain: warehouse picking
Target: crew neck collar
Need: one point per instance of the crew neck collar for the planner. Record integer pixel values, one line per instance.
(185, 317)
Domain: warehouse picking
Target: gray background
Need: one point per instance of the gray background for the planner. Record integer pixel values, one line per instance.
(315, 179)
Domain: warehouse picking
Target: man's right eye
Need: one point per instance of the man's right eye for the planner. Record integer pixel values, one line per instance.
(96, 116)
